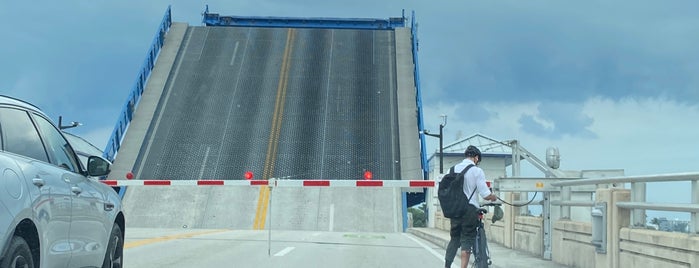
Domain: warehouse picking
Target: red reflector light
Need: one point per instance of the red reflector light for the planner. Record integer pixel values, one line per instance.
(368, 175)
(249, 175)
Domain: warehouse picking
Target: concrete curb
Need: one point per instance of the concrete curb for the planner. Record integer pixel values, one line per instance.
(502, 257)
(435, 239)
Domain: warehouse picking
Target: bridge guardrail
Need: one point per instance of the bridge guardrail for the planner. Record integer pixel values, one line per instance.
(126, 113)
(638, 204)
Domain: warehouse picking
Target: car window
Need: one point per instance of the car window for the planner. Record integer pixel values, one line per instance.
(82, 148)
(20, 135)
(59, 150)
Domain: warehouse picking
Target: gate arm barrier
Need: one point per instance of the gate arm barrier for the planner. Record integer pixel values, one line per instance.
(279, 183)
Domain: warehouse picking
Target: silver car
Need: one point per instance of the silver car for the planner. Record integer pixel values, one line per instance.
(84, 149)
(53, 213)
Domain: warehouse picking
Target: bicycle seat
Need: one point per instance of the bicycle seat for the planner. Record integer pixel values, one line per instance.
(482, 211)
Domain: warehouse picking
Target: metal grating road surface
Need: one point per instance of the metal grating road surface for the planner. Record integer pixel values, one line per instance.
(294, 103)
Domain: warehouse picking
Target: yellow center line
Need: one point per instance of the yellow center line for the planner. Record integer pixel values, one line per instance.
(139, 243)
(275, 129)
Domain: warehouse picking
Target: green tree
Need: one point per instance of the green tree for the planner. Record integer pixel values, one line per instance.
(680, 227)
(655, 221)
(419, 216)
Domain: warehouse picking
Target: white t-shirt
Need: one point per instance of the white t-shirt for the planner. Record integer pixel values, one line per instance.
(473, 179)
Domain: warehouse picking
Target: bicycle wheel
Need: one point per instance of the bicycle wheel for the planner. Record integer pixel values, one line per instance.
(482, 256)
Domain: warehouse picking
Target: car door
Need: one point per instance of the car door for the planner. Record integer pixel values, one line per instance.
(90, 224)
(88, 235)
(51, 196)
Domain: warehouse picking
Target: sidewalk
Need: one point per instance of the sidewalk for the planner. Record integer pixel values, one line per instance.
(502, 257)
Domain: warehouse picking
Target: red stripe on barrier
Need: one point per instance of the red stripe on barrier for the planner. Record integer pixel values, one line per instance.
(324, 183)
(369, 183)
(421, 183)
(110, 182)
(156, 182)
(210, 182)
(258, 182)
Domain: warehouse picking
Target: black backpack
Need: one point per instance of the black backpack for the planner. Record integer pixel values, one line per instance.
(451, 195)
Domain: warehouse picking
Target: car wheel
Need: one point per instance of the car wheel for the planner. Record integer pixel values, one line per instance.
(18, 254)
(115, 250)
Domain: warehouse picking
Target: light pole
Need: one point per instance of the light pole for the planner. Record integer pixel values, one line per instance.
(441, 147)
(62, 127)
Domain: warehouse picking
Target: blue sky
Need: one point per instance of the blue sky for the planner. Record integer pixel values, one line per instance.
(611, 84)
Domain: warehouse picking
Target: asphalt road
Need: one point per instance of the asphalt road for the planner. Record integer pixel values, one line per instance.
(293, 103)
(173, 248)
(303, 104)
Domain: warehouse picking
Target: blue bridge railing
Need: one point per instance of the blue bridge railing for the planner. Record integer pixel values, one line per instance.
(127, 110)
(420, 120)
(214, 19)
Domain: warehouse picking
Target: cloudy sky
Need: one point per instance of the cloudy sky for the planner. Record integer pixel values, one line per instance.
(612, 85)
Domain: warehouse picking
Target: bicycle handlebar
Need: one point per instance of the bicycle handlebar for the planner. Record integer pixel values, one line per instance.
(492, 204)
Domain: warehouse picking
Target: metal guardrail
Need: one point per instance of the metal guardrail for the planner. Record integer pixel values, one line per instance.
(127, 110)
(567, 186)
(638, 204)
(214, 19)
(416, 75)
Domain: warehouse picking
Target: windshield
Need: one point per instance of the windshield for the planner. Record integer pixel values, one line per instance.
(82, 148)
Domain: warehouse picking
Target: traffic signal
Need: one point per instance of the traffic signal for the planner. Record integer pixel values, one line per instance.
(368, 175)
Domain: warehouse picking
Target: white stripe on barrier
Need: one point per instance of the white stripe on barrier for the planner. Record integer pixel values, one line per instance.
(279, 183)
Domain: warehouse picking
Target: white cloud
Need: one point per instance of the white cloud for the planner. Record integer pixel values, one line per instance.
(640, 135)
(643, 136)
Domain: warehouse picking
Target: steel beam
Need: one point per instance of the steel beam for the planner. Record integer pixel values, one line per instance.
(536, 185)
(691, 208)
(689, 176)
(214, 19)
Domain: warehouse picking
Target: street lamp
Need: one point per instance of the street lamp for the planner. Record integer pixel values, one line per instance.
(62, 127)
(440, 136)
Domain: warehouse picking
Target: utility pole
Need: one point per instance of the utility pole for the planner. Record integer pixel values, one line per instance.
(441, 138)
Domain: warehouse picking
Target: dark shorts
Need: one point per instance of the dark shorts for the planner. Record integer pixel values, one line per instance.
(464, 229)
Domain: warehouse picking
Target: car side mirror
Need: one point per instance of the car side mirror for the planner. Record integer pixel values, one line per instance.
(98, 166)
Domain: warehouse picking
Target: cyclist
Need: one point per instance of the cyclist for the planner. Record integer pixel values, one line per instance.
(463, 230)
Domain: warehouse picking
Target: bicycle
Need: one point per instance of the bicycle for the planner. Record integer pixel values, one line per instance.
(481, 253)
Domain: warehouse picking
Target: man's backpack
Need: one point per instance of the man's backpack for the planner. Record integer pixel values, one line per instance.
(452, 198)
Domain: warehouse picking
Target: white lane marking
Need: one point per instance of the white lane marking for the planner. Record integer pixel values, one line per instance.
(167, 97)
(429, 249)
(284, 251)
(204, 44)
(327, 97)
(203, 165)
(332, 217)
(235, 91)
(235, 51)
